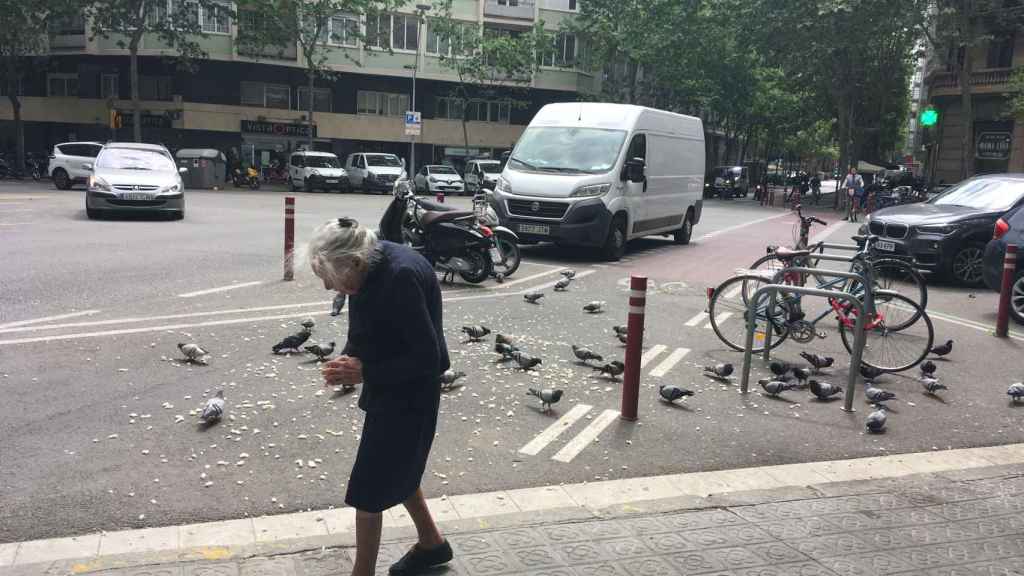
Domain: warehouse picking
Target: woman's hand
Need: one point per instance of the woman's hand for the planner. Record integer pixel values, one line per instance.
(343, 371)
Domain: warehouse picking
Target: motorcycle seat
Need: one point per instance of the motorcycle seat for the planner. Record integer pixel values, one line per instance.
(436, 206)
(432, 217)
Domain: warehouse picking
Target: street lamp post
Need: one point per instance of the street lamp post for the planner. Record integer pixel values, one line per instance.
(421, 10)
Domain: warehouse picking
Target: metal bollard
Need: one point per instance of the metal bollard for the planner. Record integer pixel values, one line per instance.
(289, 237)
(1009, 268)
(634, 347)
(707, 304)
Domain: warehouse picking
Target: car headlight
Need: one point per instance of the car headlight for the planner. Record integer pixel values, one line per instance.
(591, 191)
(99, 184)
(172, 189)
(432, 179)
(940, 230)
(313, 172)
(502, 186)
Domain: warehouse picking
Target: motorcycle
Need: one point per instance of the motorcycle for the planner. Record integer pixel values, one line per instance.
(453, 241)
(251, 178)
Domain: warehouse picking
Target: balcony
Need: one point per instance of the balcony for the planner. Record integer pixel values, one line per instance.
(992, 80)
(511, 9)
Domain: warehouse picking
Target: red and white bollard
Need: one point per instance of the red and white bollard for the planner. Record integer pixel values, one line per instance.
(440, 197)
(634, 347)
(289, 237)
(1009, 267)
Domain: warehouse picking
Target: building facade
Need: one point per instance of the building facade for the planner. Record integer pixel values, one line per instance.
(255, 107)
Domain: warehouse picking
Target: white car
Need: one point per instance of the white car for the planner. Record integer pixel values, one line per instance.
(374, 171)
(311, 170)
(67, 163)
(482, 174)
(436, 178)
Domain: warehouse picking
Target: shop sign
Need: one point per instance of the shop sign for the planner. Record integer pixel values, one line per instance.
(277, 128)
(147, 120)
(993, 145)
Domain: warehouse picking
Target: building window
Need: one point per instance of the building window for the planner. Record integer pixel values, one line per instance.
(562, 53)
(262, 95)
(496, 111)
(69, 25)
(62, 85)
(1000, 53)
(397, 31)
(344, 31)
(215, 19)
(377, 28)
(572, 5)
(169, 10)
(512, 3)
(382, 103)
(321, 99)
(109, 88)
(452, 41)
(155, 88)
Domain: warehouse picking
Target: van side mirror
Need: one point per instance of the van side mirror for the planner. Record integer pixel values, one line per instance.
(635, 169)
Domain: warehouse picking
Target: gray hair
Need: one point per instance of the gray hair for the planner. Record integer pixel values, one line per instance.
(339, 243)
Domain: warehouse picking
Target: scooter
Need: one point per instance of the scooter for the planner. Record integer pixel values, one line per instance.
(251, 178)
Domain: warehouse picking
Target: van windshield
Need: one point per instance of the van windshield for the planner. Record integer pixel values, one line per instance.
(383, 160)
(322, 162)
(568, 149)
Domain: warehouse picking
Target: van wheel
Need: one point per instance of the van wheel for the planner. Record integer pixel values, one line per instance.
(307, 186)
(682, 236)
(615, 244)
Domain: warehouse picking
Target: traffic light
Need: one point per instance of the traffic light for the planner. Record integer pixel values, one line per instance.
(115, 119)
(929, 117)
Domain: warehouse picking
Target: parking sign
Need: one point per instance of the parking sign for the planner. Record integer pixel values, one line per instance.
(413, 123)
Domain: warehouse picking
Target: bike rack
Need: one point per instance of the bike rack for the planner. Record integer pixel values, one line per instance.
(771, 291)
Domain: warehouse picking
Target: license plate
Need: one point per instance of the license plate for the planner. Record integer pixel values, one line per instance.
(886, 246)
(332, 181)
(495, 255)
(137, 196)
(534, 229)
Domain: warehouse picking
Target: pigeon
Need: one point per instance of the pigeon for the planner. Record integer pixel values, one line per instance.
(876, 395)
(562, 285)
(506, 350)
(308, 323)
(1016, 391)
(193, 352)
(780, 368)
(502, 339)
(928, 368)
(547, 396)
(818, 362)
(292, 342)
(622, 338)
(532, 297)
(932, 385)
(525, 361)
(585, 354)
(570, 273)
(802, 374)
(621, 329)
(824, 390)
(214, 409)
(338, 304)
(593, 307)
(612, 369)
(670, 392)
(476, 333)
(942, 349)
(775, 387)
(321, 352)
(875, 422)
(719, 370)
(870, 373)
(449, 378)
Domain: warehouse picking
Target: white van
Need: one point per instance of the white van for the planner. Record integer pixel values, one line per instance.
(310, 170)
(374, 170)
(481, 175)
(599, 175)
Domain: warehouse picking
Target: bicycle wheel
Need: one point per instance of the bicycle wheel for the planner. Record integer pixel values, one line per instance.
(729, 308)
(894, 276)
(888, 348)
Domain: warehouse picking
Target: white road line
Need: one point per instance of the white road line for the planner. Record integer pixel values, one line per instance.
(710, 235)
(719, 319)
(732, 293)
(586, 437)
(651, 354)
(506, 284)
(961, 322)
(540, 441)
(219, 289)
(546, 285)
(49, 318)
(15, 223)
(700, 317)
(670, 362)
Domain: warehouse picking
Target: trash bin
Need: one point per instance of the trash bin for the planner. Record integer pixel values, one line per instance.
(206, 167)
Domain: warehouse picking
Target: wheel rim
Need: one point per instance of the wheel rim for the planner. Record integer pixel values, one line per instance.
(1017, 297)
(967, 265)
(62, 179)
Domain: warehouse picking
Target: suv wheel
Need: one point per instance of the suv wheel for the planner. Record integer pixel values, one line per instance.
(968, 263)
(1017, 299)
(615, 244)
(61, 179)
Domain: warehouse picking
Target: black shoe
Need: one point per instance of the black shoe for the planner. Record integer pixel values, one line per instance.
(417, 560)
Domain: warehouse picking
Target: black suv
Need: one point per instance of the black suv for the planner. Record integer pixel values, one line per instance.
(947, 234)
(1008, 230)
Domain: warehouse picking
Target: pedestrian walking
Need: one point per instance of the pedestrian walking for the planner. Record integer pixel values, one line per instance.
(816, 189)
(397, 351)
(854, 186)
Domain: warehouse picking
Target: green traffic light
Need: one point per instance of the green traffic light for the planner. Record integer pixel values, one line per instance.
(929, 117)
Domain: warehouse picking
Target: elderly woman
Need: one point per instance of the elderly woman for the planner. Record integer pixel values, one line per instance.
(396, 349)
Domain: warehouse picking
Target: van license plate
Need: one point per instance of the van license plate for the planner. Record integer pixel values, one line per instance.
(886, 246)
(535, 229)
(332, 181)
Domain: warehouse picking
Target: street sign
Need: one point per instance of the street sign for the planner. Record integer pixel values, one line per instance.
(413, 123)
(993, 145)
(929, 117)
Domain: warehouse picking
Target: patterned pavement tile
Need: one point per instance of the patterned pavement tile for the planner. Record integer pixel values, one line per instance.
(563, 533)
(803, 527)
(605, 529)
(980, 508)
(796, 569)
(696, 562)
(518, 538)
(884, 518)
(279, 566)
(470, 544)
(651, 566)
(631, 547)
(152, 571)
(702, 519)
(602, 569)
(559, 571)
(211, 569)
(739, 557)
(873, 564)
(729, 536)
(648, 525)
(834, 545)
(670, 541)
(573, 553)
(488, 563)
(777, 553)
(536, 557)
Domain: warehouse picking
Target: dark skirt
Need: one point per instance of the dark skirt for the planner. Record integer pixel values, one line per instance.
(392, 456)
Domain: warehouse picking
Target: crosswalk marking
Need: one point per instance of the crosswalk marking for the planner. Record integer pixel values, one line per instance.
(670, 362)
(541, 441)
(732, 293)
(700, 317)
(719, 319)
(651, 354)
(586, 437)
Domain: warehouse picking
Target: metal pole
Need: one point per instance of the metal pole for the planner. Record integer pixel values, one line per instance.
(289, 237)
(855, 358)
(412, 137)
(1009, 268)
(634, 347)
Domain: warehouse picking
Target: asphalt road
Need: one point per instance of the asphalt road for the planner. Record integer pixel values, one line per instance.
(98, 421)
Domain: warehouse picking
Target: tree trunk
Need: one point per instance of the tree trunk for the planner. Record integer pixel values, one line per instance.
(133, 48)
(465, 124)
(967, 115)
(19, 125)
(743, 149)
(309, 107)
(844, 143)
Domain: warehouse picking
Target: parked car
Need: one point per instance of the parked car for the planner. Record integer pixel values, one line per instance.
(132, 177)
(482, 175)
(67, 163)
(1008, 230)
(728, 182)
(374, 171)
(437, 178)
(947, 234)
(310, 170)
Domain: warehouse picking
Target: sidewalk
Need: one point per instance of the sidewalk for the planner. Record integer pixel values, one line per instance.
(944, 512)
